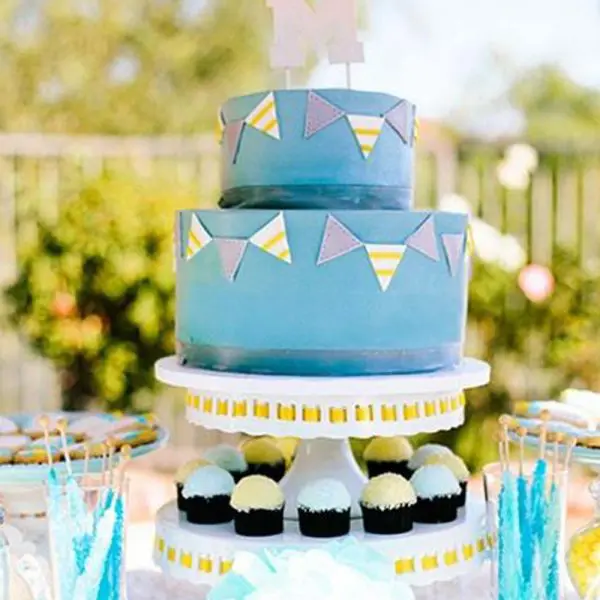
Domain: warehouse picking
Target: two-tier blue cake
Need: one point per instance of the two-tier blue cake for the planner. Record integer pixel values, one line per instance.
(317, 265)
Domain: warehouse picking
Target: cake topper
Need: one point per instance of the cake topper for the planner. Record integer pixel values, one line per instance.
(300, 26)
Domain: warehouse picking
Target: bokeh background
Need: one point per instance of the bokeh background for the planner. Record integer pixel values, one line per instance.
(107, 125)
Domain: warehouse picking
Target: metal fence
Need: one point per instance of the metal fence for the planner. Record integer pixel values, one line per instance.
(557, 206)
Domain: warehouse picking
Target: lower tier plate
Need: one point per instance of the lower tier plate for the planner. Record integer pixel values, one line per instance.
(201, 554)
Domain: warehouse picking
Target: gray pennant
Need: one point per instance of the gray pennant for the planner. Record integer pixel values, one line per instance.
(231, 252)
(424, 240)
(453, 245)
(337, 241)
(401, 119)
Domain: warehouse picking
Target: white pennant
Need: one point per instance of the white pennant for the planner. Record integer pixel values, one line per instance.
(385, 259)
(367, 131)
(198, 238)
(264, 117)
(272, 238)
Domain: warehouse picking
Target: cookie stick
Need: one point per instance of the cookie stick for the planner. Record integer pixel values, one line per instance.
(62, 430)
(44, 422)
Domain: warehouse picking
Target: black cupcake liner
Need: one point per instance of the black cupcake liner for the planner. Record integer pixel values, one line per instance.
(259, 522)
(208, 511)
(275, 471)
(324, 523)
(436, 510)
(462, 497)
(376, 468)
(387, 521)
(181, 501)
(238, 475)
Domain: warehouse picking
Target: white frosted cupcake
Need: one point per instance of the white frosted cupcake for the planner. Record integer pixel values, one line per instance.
(228, 458)
(387, 503)
(182, 474)
(437, 492)
(258, 504)
(324, 509)
(207, 494)
(457, 465)
(422, 453)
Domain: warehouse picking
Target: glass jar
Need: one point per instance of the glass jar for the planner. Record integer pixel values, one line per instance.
(583, 556)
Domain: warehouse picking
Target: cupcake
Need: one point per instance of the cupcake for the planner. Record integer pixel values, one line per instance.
(423, 453)
(388, 455)
(324, 509)
(387, 503)
(228, 458)
(459, 470)
(182, 474)
(258, 505)
(207, 495)
(264, 458)
(437, 492)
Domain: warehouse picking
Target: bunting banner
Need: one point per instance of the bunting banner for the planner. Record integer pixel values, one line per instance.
(233, 139)
(401, 118)
(453, 245)
(320, 114)
(198, 238)
(272, 238)
(231, 252)
(264, 117)
(385, 259)
(367, 131)
(337, 241)
(424, 240)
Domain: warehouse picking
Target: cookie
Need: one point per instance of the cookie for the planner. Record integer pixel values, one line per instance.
(135, 438)
(92, 426)
(6, 456)
(34, 428)
(8, 427)
(35, 456)
(559, 413)
(14, 442)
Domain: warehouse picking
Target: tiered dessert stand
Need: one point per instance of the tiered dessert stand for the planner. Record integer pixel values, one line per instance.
(324, 413)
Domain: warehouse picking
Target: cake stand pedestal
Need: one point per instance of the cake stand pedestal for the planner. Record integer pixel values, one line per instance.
(329, 458)
(324, 412)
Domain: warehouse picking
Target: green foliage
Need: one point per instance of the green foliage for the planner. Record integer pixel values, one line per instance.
(95, 292)
(127, 66)
(557, 109)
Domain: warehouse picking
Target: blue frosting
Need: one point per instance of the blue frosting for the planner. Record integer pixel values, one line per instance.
(208, 481)
(433, 481)
(227, 457)
(304, 319)
(324, 495)
(331, 157)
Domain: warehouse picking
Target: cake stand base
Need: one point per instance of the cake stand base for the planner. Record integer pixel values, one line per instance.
(330, 459)
(201, 554)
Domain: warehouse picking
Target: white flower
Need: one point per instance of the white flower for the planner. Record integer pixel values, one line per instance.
(512, 175)
(524, 155)
(455, 204)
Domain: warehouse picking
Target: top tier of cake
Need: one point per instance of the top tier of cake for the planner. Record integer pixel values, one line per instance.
(329, 149)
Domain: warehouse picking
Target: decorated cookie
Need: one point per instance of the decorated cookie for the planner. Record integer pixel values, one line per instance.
(91, 426)
(35, 429)
(8, 427)
(35, 456)
(6, 456)
(559, 412)
(14, 442)
(135, 437)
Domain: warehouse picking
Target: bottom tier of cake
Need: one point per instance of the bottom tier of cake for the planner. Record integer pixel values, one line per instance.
(201, 554)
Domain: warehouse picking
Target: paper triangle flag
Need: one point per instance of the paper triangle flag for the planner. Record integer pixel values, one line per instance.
(272, 238)
(453, 245)
(320, 114)
(198, 238)
(231, 252)
(385, 259)
(401, 119)
(337, 241)
(233, 138)
(367, 131)
(424, 240)
(264, 117)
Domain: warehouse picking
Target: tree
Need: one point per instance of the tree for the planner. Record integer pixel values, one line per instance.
(127, 67)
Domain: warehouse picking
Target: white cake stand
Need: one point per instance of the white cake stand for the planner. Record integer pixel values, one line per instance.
(324, 413)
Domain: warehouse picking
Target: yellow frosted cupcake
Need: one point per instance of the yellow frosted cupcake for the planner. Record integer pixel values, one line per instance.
(388, 455)
(387, 503)
(264, 458)
(258, 504)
